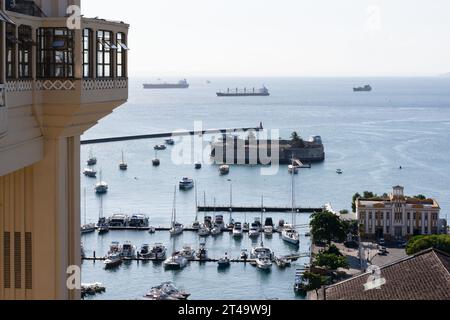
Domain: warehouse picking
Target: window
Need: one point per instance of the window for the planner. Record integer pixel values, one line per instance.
(121, 55)
(25, 50)
(55, 53)
(87, 53)
(11, 42)
(104, 54)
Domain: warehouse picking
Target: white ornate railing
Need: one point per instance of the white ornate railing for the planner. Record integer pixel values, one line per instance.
(19, 85)
(104, 84)
(58, 85)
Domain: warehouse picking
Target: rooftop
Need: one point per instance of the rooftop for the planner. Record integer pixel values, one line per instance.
(424, 276)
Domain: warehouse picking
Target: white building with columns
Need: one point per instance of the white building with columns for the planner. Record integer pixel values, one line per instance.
(397, 216)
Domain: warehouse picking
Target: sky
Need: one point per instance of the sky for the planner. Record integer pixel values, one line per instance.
(285, 38)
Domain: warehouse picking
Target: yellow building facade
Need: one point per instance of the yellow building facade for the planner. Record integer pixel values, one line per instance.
(59, 74)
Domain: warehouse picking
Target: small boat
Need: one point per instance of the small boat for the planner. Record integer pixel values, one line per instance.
(366, 88)
(224, 262)
(152, 230)
(280, 226)
(92, 161)
(268, 231)
(188, 252)
(261, 251)
(156, 162)
(196, 225)
(103, 224)
(160, 147)
(244, 254)
(301, 284)
(237, 230)
(339, 171)
(282, 262)
(138, 221)
(263, 263)
(203, 231)
(216, 231)
(202, 253)
(90, 173)
(186, 183)
(177, 228)
(246, 227)
(101, 187)
(167, 291)
(123, 165)
(176, 261)
(158, 252)
(208, 222)
(145, 251)
(224, 170)
(170, 142)
(254, 231)
(128, 251)
(88, 228)
(293, 169)
(113, 260)
(290, 235)
(230, 226)
(219, 222)
(198, 165)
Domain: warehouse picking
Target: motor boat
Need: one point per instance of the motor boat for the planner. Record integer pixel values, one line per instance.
(216, 231)
(208, 222)
(92, 161)
(230, 226)
(203, 231)
(102, 226)
(90, 173)
(339, 171)
(268, 231)
(186, 183)
(263, 263)
(114, 247)
(152, 230)
(224, 262)
(202, 253)
(219, 222)
(170, 142)
(188, 252)
(292, 169)
(118, 221)
(244, 254)
(177, 228)
(113, 260)
(254, 231)
(167, 291)
(156, 162)
(128, 251)
(280, 226)
(198, 165)
(282, 262)
(138, 221)
(224, 170)
(158, 252)
(246, 227)
(160, 147)
(196, 225)
(88, 228)
(261, 251)
(123, 165)
(290, 235)
(237, 230)
(145, 251)
(176, 261)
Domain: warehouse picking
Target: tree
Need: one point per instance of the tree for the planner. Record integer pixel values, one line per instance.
(326, 227)
(356, 196)
(351, 227)
(369, 195)
(330, 261)
(421, 243)
(315, 281)
(420, 197)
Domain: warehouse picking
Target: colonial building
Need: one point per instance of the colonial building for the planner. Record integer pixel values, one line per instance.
(397, 216)
(59, 74)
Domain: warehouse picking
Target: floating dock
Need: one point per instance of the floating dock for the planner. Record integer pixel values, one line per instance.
(257, 209)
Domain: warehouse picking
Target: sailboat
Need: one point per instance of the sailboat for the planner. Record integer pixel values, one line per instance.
(177, 228)
(103, 226)
(86, 228)
(289, 234)
(123, 165)
(156, 162)
(196, 224)
(231, 223)
(262, 254)
(101, 187)
(204, 230)
(92, 161)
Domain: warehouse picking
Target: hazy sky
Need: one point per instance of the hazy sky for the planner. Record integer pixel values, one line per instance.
(283, 37)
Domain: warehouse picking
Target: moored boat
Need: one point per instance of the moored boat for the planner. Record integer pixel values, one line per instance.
(224, 262)
(224, 170)
(90, 173)
(113, 260)
(186, 183)
(176, 261)
(263, 263)
(158, 252)
(188, 252)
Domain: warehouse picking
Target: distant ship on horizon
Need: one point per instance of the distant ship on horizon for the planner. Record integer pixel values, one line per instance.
(263, 92)
(366, 88)
(182, 84)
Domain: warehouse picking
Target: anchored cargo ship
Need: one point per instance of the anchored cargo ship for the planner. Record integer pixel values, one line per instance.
(182, 84)
(362, 89)
(262, 92)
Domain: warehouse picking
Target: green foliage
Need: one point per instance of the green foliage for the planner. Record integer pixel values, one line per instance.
(351, 227)
(315, 281)
(333, 250)
(344, 212)
(369, 195)
(420, 197)
(330, 261)
(355, 197)
(326, 227)
(420, 243)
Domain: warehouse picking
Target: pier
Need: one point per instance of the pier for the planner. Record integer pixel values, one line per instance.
(169, 135)
(257, 209)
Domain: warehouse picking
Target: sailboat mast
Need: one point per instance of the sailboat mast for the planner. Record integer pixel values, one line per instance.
(293, 192)
(84, 204)
(101, 208)
(231, 202)
(204, 204)
(196, 203)
(174, 209)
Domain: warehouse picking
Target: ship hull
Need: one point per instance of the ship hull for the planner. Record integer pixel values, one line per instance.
(243, 94)
(166, 86)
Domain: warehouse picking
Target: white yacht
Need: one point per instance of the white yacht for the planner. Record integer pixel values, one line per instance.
(261, 251)
(128, 251)
(203, 231)
(268, 231)
(216, 230)
(92, 161)
(224, 262)
(237, 230)
(188, 252)
(113, 260)
(264, 263)
(186, 183)
(177, 228)
(219, 222)
(339, 171)
(293, 169)
(87, 227)
(202, 253)
(282, 262)
(158, 252)
(290, 235)
(176, 261)
(254, 231)
(244, 254)
(224, 170)
(145, 251)
(101, 187)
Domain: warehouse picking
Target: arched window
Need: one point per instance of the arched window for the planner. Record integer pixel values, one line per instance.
(87, 53)
(25, 51)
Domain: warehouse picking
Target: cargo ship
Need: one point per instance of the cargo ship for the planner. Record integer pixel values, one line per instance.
(366, 88)
(182, 84)
(262, 92)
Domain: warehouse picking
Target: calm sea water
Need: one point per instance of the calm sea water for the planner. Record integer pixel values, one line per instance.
(403, 122)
